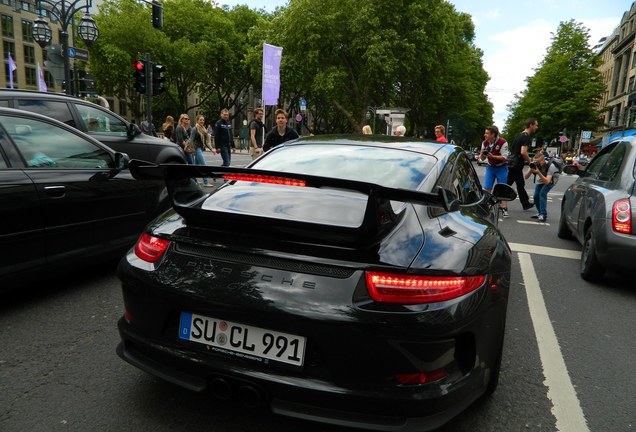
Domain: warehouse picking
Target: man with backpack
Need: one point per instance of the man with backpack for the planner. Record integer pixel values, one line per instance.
(546, 174)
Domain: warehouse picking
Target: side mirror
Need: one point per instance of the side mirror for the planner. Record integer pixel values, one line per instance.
(571, 169)
(503, 192)
(121, 161)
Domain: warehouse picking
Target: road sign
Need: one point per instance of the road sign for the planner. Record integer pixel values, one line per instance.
(563, 138)
(78, 53)
(299, 117)
(303, 104)
(586, 136)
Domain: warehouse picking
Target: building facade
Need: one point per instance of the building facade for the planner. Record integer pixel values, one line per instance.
(618, 56)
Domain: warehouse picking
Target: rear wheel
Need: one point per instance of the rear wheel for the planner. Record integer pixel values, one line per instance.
(495, 369)
(591, 269)
(564, 231)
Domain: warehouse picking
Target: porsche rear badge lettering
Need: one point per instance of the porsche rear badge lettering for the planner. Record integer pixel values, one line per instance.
(251, 277)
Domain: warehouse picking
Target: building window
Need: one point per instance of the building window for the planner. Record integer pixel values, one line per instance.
(27, 31)
(29, 54)
(30, 76)
(6, 2)
(7, 26)
(123, 108)
(630, 88)
(9, 48)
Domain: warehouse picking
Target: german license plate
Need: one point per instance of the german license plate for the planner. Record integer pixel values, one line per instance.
(242, 340)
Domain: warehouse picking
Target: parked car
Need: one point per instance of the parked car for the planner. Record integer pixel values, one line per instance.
(323, 289)
(66, 200)
(598, 210)
(97, 121)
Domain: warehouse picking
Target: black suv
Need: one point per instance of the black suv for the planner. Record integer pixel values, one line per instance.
(97, 121)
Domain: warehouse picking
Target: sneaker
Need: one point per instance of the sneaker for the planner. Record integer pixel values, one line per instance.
(535, 216)
(528, 206)
(504, 212)
(541, 218)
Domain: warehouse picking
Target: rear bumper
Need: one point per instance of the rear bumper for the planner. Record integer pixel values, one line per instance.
(389, 408)
(616, 251)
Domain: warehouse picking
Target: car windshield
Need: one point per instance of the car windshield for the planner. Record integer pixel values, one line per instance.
(379, 165)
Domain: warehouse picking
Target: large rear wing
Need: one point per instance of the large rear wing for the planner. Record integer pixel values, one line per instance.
(175, 174)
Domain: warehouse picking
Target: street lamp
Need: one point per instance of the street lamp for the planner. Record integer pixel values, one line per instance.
(64, 11)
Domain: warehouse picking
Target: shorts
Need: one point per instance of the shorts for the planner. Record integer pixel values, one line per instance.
(499, 173)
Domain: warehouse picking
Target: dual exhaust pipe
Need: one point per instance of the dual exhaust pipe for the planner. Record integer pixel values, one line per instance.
(248, 394)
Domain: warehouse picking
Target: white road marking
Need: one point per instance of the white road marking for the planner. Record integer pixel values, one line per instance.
(533, 222)
(566, 407)
(542, 250)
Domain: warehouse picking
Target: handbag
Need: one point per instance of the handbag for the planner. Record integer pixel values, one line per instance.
(188, 149)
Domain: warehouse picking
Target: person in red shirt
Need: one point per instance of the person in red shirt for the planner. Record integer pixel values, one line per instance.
(440, 133)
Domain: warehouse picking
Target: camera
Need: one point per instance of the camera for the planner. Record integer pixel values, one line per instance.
(532, 165)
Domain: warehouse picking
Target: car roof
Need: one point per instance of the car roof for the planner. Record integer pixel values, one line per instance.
(38, 94)
(402, 143)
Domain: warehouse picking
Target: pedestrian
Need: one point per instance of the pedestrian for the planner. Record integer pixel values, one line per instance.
(199, 140)
(546, 175)
(494, 149)
(182, 137)
(168, 128)
(400, 130)
(366, 130)
(147, 127)
(280, 133)
(440, 134)
(223, 137)
(210, 131)
(257, 133)
(517, 158)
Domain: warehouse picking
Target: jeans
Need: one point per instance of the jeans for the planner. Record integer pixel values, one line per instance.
(541, 197)
(200, 160)
(226, 155)
(190, 159)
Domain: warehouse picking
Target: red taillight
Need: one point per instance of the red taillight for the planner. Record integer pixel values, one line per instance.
(421, 378)
(127, 316)
(413, 289)
(257, 178)
(150, 248)
(622, 217)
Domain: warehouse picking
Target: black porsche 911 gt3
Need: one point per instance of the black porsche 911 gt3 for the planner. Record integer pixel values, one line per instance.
(358, 281)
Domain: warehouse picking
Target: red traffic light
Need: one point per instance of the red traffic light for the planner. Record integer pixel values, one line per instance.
(139, 65)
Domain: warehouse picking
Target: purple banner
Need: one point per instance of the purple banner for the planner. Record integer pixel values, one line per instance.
(41, 83)
(271, 73)
(12, 67)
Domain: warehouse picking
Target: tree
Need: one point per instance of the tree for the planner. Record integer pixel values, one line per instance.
(202, 47)
(565, 89)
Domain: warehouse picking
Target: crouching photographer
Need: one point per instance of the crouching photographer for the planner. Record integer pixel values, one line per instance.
(546, 175)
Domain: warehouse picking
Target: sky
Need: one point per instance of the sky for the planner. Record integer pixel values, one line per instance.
(515, 35)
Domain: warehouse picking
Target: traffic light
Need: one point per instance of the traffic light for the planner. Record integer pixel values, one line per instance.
(449, 131)
(140, 75)
(86, 83)
(157, 15)
(158, 79)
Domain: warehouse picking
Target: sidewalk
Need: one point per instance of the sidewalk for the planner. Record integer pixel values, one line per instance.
(239, 159)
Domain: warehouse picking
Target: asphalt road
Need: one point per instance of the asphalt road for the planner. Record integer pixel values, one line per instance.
(59, 370)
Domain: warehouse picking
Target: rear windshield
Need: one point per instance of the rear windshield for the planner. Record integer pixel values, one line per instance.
(380, 165)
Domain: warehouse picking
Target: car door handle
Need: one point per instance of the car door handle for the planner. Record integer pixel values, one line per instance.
(55, 191)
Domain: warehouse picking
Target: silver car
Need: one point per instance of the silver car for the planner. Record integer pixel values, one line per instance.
(598, 210)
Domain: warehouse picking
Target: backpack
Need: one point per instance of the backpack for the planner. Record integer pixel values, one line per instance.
(558, 162)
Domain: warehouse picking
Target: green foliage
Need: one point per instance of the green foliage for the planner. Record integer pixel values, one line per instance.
(565, 90)
(342, 56)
